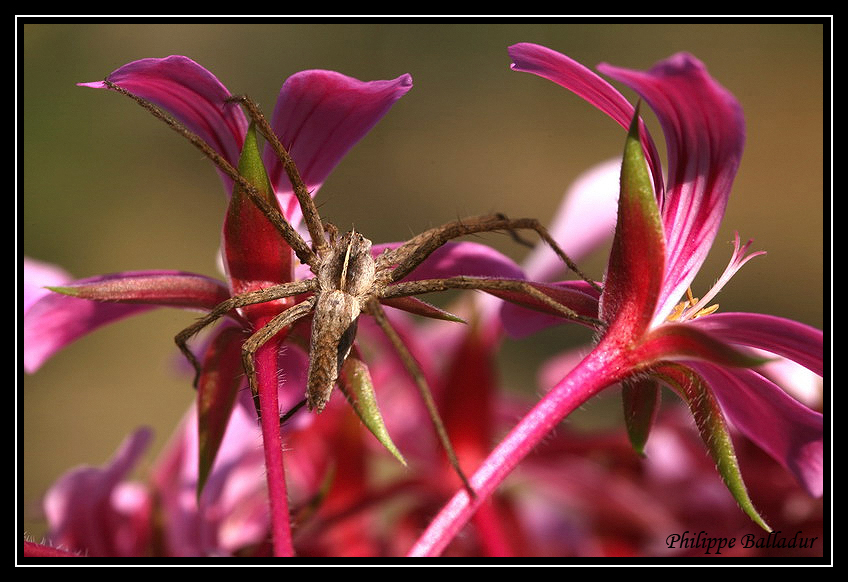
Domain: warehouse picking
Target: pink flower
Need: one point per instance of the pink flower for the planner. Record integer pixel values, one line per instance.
(662, 236)
(100, 512)
(319, 116)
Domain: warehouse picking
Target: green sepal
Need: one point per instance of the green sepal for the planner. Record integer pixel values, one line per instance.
(637, 257)
(251, 167)
(355, 383)
(714, 432)
(641, 399)
(254, 251)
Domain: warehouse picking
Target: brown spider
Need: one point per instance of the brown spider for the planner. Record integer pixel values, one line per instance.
(348, 279)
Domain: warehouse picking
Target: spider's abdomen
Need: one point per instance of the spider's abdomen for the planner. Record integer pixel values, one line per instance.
(333, 332)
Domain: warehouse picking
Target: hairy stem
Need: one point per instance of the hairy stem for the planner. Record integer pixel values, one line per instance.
(594, 373)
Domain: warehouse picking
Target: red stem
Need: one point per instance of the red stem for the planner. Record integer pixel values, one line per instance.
(589, 377)
(266, 370)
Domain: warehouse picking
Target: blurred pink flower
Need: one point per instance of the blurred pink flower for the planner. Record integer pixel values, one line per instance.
(662, 236)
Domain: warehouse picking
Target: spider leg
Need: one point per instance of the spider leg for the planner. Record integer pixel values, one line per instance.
(304, 198)
(414, 251)
(265, 333)
(250, 298)
(376, 310)
(271, 211)
(407, 288)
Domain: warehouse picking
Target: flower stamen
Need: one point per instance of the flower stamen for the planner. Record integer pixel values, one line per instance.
(693, 307)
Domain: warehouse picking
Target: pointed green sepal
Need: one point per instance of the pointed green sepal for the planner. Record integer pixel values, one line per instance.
(355, 383)
(217, 387)
(71, 291)
(713, 430)
(254, 250)
(641, 399)
(251, 167)
(637, 257)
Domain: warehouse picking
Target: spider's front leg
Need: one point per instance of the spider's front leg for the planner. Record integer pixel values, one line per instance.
(374, 308)
(414, 251)
(271, 210)
(250, 298)
(304, 198)
(409, 288)
(265, 333)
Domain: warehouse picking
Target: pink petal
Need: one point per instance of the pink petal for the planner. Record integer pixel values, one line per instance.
(789, 431)
(192, 95)
(37, 276)
(82, 511)
(319, 116)
(233, 508)
(798, 342)
(56, 319)
(705, 134)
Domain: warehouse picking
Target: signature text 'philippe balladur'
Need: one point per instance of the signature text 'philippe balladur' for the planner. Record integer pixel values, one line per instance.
(689, 540)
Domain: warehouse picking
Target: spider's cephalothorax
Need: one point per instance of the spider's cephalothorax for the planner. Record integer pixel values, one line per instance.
(349, 281)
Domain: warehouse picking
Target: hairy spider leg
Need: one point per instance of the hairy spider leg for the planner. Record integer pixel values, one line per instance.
(250, 298)
(411, 365)
(301, 249)
(263, 334)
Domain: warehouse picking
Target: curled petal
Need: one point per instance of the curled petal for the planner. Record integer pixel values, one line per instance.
(789, 431)
(705, 133)
(192, 95)
(82, 306)
(319, 116)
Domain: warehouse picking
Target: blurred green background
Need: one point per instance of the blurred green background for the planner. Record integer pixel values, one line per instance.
(108, 188)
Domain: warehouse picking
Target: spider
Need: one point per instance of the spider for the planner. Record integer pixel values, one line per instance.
(348, 280)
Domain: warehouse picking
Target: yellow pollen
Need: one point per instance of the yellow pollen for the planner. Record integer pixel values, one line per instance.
(689, 302)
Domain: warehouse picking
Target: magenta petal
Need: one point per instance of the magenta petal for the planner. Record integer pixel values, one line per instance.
(37, 276)
(57, 319)
(798, 342)
(705, 134)
(319, 116)
(521, 321)
(789, 431)
(82, 507)
(191, 94)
